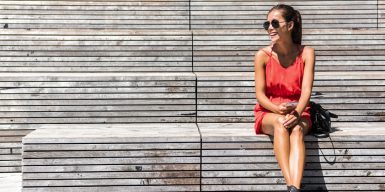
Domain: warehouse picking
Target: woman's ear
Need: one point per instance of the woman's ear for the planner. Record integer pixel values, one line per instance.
(290, 25)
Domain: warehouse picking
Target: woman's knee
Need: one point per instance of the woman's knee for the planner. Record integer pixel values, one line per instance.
(297, 131)
(278, 126)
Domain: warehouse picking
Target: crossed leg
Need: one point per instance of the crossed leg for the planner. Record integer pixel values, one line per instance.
(289, 146)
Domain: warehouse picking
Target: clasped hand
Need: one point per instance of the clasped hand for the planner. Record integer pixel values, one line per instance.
(290, 119)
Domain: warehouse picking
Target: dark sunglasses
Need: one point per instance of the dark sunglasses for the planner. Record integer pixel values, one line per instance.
(274, 23)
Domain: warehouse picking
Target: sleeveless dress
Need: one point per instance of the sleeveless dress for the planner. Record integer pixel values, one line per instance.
(282, 85)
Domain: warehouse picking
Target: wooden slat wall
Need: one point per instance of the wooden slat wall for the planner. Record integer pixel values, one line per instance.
(97, 98)
(78, 14)
(234, 159)
(336, 49)
(354, 96)
(240, 14)
(147, 157)
(381, 13)
(95, 51)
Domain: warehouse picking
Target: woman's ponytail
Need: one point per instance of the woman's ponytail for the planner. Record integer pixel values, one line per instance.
(296, 34)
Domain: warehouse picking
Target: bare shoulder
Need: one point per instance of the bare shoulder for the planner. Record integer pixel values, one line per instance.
(262, 55)
(308, 51)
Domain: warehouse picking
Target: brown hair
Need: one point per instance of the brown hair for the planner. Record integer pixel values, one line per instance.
(290, 14)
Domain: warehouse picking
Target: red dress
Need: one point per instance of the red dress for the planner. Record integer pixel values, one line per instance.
(282, 85)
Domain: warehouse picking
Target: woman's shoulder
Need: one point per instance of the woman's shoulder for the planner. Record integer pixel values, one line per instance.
(307, 50)
(263, 53)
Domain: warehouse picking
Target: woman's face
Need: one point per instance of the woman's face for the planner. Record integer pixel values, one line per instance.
(280, 33)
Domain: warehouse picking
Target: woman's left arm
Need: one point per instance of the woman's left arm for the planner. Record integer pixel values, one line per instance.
(307, 81)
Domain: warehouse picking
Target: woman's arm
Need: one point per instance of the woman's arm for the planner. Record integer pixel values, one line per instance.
(260, 86)
(307, 85)
(307, 81)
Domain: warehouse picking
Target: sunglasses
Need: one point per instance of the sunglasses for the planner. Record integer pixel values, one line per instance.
(274, 23)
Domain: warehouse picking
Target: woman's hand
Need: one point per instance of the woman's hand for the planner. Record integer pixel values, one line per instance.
(284, 109)
(291, 119)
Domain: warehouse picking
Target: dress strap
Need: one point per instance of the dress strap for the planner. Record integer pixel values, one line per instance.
(267, 53)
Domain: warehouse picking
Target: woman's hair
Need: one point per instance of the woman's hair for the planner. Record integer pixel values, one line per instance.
(290, 14)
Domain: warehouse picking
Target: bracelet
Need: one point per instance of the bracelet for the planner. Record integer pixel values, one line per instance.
(295, 113)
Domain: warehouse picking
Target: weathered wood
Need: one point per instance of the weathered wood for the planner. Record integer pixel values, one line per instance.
(109, 182)
(74, 157)
(176, 188)
(118, 154)
(96, 51)
(234, 50)
(233, 156)
(151, 168)
(82, 14)
(115, 175)
(247, 15)
(310, 187)
(147, 97)
(116, 146)
(135, 133)
(381, 13)
(230, 97)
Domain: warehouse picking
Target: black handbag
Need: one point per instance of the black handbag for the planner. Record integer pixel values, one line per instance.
(321, 121)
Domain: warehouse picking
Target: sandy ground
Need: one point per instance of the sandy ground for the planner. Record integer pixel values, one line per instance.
(10, 182)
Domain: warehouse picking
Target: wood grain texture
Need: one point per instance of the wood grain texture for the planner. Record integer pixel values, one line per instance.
(233, 156)
(103, 51)
(230, 97)
(151, 157)
(251, 14)
(381, 13)
(97, 98)
(80, 14)
(336, 50)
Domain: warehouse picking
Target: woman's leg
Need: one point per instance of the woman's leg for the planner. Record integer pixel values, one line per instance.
(271, 126)
(297, 152)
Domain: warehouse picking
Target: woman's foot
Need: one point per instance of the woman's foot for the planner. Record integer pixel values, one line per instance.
(293, 189)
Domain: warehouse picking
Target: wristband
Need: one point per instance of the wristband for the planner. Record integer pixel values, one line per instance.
(295, 113)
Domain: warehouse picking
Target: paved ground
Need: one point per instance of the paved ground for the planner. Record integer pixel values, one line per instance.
(10, 182)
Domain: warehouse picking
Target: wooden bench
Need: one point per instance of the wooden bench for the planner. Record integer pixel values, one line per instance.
(234, 159)
(62, 14)
(381, 13)
(190, 157)
(316, 14)
(336, 49)
(137, 157)
(91, 76)
(10, 148)
(95, 51)
(132, 62)
(30, 100)
(354, 96)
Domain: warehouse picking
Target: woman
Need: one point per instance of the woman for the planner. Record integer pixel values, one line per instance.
(284, 73)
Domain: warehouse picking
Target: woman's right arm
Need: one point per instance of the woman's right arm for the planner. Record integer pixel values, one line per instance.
(260, 85)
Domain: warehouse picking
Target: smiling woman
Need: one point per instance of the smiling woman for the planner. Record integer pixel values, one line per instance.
(284, 74)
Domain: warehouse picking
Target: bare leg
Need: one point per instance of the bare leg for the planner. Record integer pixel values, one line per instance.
(271, 126)
(297, 152)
